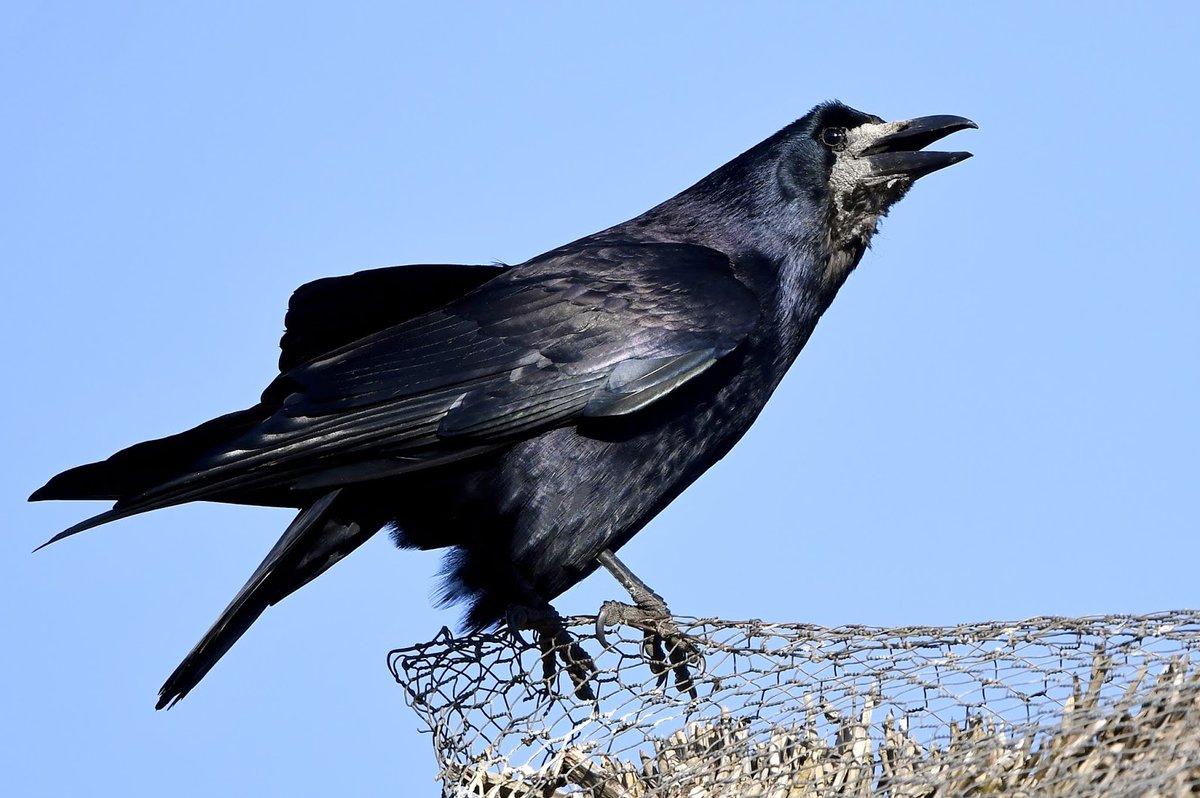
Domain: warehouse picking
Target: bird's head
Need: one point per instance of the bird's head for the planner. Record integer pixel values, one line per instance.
(808, 199)
(816, 188)
(855, 166)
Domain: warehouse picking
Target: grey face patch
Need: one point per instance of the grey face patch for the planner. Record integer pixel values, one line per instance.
(860, 198)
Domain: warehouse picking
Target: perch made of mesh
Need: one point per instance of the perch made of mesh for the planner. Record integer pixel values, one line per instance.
(1048, 706)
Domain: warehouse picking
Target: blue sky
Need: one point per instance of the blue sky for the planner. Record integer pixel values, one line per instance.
(997, 419)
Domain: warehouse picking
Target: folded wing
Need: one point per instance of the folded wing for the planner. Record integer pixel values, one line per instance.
(594, 331)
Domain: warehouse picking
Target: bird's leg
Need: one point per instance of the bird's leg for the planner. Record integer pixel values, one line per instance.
(554, 639)
(649, 612)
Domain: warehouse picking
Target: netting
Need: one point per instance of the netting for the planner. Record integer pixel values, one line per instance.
(1048, 706)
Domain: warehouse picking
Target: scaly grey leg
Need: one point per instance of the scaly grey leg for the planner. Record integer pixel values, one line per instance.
(650, 613)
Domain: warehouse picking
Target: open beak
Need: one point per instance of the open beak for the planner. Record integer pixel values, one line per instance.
(897, 151)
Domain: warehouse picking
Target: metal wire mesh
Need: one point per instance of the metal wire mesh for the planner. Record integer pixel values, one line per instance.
(1048, 706)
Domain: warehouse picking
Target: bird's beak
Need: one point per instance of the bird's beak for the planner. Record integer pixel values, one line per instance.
(895, 147)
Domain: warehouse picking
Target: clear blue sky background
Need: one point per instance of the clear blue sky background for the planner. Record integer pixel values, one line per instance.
(997, 419)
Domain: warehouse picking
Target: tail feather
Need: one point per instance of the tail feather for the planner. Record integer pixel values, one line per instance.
(97, 520)
(131, 476)
(312, 543)
(140, 467)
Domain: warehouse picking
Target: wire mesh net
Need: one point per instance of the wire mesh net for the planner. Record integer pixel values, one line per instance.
(1048, 706)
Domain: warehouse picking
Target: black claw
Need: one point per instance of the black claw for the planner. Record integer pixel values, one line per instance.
(546, 646)
(580, 668)
(681, 654)
(601, 622)
(656, 658)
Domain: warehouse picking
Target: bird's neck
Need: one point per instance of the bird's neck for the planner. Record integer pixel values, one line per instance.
(795, 269)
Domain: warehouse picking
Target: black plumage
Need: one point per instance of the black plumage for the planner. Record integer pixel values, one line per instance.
(531, 417)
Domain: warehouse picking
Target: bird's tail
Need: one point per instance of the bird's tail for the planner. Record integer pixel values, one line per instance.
(313, 542)
(133, 477)
(145, 465)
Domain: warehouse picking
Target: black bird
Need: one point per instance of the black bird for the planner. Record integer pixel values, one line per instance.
(532, 418)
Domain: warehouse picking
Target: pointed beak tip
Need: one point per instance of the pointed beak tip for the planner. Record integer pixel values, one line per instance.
(953, 120)
(948, 121)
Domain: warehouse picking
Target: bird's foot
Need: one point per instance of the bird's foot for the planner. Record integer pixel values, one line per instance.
(556, 645)
(666, 649)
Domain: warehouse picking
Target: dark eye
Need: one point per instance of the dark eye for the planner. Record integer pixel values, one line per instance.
(834, 138)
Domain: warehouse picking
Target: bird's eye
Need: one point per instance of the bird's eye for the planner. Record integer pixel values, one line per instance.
(834, 138)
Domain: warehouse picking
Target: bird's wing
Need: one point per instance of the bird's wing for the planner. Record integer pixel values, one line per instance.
(333, 311)
(601, 330)
(590, 331)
